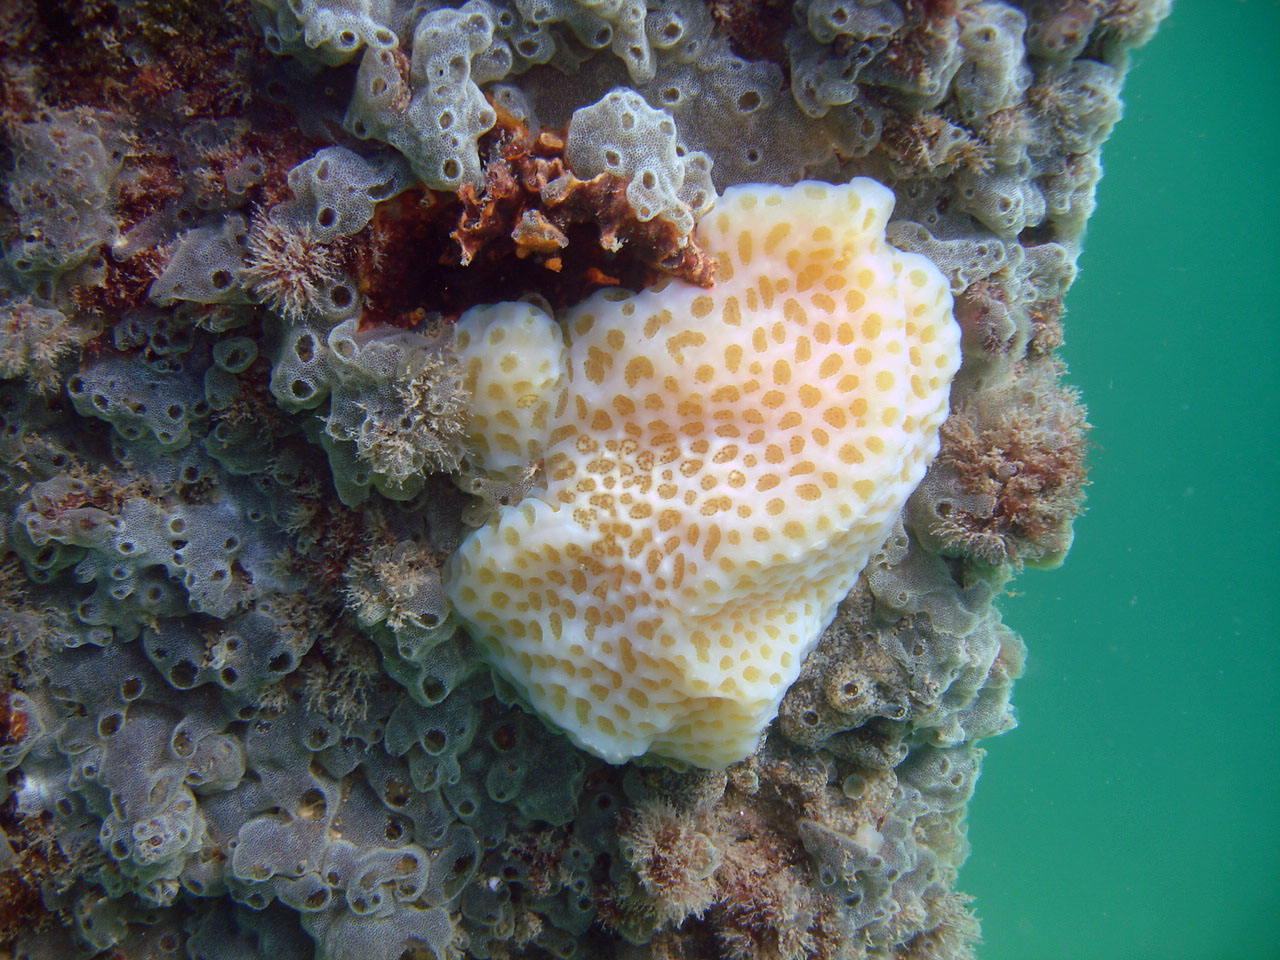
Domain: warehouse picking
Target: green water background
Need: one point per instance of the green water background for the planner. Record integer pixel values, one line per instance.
(1135, 813)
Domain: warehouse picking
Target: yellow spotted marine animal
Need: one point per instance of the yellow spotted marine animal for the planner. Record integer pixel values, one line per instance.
(719, 466)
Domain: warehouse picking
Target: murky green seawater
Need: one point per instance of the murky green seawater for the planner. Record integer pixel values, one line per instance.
(1135, 814)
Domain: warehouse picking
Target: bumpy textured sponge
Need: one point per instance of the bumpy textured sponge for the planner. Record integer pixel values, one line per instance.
(623, 135)
(513, 365)
(720, 465)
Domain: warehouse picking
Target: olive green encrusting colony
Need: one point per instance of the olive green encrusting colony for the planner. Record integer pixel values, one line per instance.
(526, 478)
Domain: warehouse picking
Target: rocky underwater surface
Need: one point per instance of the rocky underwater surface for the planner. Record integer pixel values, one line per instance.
(526, 479)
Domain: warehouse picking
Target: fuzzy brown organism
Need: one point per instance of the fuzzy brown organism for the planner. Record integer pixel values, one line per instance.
(729, 870)
(125, 286)
(254, 404)
(289, 270)
(685, 790)
(543, 857)
(29, 629)
(307, 627)
(216, 167)
(1046, 328)
(929, 144)
(674, 857)
(767, 908)
(170, 23)
(18, 27)
(1078, 108)
(679, 945)
(1017, 458)
(13, 601)
(793, 784)
(36, 860)
(428, 432)
(1009, 126)
(396, 582)
(953, 936)
(342, 676)
(332, 535)
(14, 722)
(526, 928)
(34, 342)
(395, 288)
(100, 489)
(149, 181)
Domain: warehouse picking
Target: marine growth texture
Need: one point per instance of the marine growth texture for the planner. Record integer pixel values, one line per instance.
(467, 470)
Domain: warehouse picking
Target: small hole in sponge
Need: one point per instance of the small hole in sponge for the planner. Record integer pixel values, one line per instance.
(434, 741)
